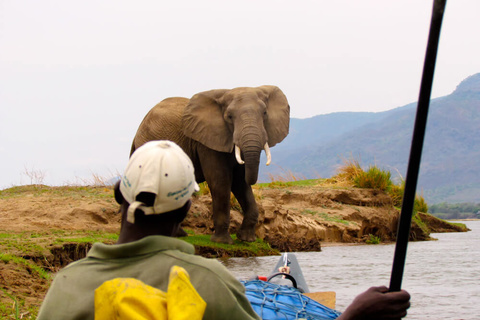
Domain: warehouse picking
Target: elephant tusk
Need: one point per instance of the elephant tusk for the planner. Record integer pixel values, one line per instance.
(238, 156)
(267, 153)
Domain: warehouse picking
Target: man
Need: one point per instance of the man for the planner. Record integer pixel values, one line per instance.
(155, 196)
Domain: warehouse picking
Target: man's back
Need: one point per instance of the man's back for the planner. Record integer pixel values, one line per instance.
(149, 260)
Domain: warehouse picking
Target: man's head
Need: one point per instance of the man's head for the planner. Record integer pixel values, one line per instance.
(159, 180)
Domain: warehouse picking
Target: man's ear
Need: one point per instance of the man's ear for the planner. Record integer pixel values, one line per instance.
(117, 193)
(188, 205)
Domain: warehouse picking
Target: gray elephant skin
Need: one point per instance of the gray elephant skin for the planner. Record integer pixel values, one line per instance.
(224, 132)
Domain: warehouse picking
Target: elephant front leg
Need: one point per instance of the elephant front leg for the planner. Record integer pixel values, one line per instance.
(221, 216)
(217, 170)
(245, 197)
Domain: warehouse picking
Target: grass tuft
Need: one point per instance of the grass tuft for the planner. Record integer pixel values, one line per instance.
(350, 169)
(374, 178)
(396, 193)
(420, 205)
(373, 239)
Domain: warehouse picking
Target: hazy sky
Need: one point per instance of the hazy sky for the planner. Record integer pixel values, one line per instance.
(77, 77)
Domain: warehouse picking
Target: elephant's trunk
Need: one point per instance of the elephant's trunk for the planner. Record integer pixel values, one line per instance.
(250, 139)
(252, 160)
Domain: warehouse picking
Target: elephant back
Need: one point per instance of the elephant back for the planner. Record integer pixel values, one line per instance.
(163, 122)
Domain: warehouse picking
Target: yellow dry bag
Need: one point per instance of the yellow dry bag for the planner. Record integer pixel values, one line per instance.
(128, 298)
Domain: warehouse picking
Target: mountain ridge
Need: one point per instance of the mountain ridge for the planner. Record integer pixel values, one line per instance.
(449, 172)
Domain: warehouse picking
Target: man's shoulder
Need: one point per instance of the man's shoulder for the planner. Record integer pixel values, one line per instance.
(208, 267)
(197, 261)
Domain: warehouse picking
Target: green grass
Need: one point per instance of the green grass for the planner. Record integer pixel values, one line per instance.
(24, 248)
(372, 239)
(80, 240)
(65, 191)
(458, 224)
(21, 243)
(15, 305)
(258, 247)
(277, 184)
(37, 243)
(396, 193)
(419, 222)
(325, 216)
(8, 311)
(12, 258)
(9, 235)
(374, 178)
(419, 204)
(308, 211)
(90, 237)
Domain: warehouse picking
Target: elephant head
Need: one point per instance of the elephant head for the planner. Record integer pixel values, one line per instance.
(247, 119)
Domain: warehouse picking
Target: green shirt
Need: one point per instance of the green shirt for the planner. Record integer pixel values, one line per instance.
(71, 295)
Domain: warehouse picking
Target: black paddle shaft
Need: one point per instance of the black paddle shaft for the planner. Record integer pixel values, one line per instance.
(411, 179)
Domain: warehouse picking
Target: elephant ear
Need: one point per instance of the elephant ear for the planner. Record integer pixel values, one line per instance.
(203, 121)
(278, 111)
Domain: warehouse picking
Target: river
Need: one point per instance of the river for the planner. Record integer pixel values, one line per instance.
(443, 277)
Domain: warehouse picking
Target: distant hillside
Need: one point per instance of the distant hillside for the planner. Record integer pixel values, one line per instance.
(450, 170)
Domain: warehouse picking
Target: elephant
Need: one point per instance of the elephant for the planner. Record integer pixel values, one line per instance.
(223, 131)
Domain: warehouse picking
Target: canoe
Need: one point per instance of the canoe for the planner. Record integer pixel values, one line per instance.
(285, 294)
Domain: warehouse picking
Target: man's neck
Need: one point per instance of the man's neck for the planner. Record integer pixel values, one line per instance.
(131, 232)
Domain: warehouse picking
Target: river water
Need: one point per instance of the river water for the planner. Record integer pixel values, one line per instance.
(443, 277)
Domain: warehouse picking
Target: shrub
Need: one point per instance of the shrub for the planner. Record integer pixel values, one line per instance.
(374, 178)
(372, 239)
(349, 170)
(420, 205)
(396, 193)
(377, 178)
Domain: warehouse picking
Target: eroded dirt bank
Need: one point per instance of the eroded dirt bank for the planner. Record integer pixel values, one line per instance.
(291, 218)
(304, 218)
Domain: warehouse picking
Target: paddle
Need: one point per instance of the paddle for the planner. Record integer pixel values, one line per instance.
(403, 230)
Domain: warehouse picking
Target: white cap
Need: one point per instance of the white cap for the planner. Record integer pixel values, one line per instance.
(162, 168)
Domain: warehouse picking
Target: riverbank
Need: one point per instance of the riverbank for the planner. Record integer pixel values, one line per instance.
(305, 218)
(44, 228)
